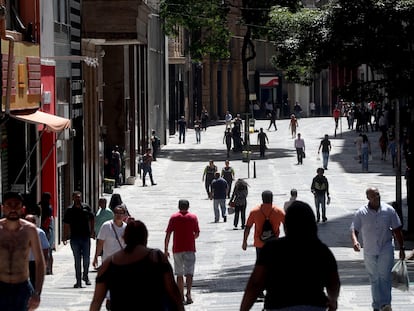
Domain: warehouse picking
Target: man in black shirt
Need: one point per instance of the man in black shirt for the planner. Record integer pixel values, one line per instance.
(79, 226)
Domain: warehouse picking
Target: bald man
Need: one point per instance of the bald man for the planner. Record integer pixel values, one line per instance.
(378, 223)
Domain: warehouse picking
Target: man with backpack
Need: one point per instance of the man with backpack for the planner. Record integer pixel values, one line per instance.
(266, 219)
(260, 217)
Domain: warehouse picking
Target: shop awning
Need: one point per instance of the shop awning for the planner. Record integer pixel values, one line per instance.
(53, 123)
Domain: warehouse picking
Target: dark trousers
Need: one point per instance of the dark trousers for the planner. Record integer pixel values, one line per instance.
(239, 210)
(147, 170)
(299, 153)
(14, 297)
(81, 248)
(181, 134)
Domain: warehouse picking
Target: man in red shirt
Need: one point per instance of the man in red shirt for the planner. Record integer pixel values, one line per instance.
(185, 227)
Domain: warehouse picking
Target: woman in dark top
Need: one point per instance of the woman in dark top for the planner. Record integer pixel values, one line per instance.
(137, 277)
(290, 281)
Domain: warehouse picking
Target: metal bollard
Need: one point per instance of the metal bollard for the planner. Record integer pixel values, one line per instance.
(254, 169)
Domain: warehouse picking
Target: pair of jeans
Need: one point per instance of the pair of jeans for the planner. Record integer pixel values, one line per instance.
(81, 248)
(364, 159)
(379, 271)
(216, 203)
(325, 159)
(147, 170)
(181, 134)
(198, 135)
(15, 297)
(299, 154)
(320, 203)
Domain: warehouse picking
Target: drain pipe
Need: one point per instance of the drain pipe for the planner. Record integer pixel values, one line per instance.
(10, 60)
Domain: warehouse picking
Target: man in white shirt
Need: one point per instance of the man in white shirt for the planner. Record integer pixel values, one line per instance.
(228, 117)
(300, 149)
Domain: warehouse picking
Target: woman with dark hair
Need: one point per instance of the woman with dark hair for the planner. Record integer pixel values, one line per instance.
(115, 201)
(292, 283)
(137, 276)
(239, 196)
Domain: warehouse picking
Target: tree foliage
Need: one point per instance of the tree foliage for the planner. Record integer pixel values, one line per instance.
(206, 22)
(378, 33)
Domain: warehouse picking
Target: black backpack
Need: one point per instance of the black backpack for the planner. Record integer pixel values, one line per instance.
(267, 230)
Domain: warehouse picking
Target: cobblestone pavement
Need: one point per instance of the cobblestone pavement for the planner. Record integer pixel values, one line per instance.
(222, 267)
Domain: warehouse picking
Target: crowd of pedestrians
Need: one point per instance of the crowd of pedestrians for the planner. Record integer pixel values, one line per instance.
(130, 268)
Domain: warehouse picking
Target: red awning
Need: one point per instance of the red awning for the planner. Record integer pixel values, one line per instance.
(53, 123)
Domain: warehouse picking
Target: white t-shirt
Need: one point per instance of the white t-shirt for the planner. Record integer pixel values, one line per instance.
(107, 234)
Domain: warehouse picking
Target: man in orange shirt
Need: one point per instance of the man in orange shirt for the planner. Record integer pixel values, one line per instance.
(257, 217)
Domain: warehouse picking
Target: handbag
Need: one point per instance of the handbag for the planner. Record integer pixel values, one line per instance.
(232, 204)
(303, 154)
(400, 278)
(230, 210)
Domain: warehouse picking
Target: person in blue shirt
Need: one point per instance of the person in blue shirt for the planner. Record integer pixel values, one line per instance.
(378, 223)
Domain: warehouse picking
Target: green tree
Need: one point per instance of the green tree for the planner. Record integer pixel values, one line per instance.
(206, 23)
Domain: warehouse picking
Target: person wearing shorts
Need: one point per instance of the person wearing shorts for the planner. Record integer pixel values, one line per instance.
(184, 225)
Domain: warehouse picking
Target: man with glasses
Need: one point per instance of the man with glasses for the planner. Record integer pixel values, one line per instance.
(111, 239)
(17, 238)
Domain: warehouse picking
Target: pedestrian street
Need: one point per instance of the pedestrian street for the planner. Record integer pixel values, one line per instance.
(222, 267)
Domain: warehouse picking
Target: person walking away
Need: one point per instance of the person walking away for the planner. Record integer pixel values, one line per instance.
(182, 127)
(378, 223)
(116, 165)
(219, 188)
(320, 190)
(47, 224)
(257, 217)
(146, 167)
(110, 239)
(208, 176)
(326, 148)
(79, 224)
(227, 173)
(383, 143)
(293, 197)
(18, 237)
(44, 243)
(312, 108)
(280, 265)
(261, 140)
(239, 196)
(365, 152)
(137, 276)
(197, 130)
(204, 119)
(299, 144)
(293, 124)
(184, 227)
(155, 144)
(227, 139)
(272, 118)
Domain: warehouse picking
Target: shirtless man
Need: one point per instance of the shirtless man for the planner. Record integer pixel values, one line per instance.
(17, 237)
